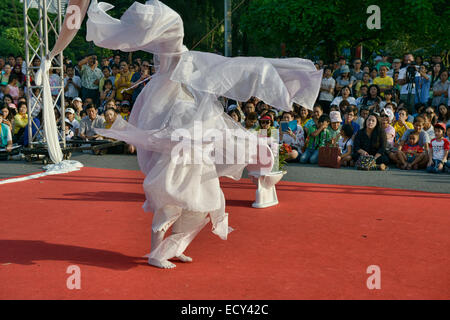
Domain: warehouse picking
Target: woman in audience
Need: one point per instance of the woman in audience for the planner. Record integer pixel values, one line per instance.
(371, 140)
(295, 139)
(345, 94)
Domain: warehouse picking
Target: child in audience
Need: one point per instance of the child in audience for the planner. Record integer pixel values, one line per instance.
(345, 144)
(335, 127)
(439, 148)
(421, 160)
(410, 151)
(318, 136)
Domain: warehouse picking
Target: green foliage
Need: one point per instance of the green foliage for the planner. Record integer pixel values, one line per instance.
(308, 28)
(324, 27)
(12, 41)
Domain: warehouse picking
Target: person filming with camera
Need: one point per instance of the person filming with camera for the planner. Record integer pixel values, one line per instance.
(72, 84)
(90, 78)
(406, 79)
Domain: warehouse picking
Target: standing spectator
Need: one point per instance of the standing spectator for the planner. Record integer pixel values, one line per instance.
(356, 72)
(396, 64)
(383, 62)
(440, 90)
(90, 78)
(318, 136)
(89, 123)
(439, 148)
(72, 84)
(407, 91)
(106, 75)
(123, 81)
(344, 79)
(21, 79)
(371, 140)
(342, 62)
(141, 75)
(4, 76)
(422, 84)
(383, 81)
(327, 90)
(435, 77)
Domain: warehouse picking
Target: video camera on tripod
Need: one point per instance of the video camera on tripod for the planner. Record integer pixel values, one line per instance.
(411, 71)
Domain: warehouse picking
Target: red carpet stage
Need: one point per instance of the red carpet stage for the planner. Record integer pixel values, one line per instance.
(316, 244)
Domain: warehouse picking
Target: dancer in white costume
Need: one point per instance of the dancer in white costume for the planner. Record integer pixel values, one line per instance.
(182, 94)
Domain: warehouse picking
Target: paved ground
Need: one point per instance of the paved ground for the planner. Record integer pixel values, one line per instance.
(394, 178)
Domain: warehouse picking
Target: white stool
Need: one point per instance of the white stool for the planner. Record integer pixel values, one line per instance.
(265, 180)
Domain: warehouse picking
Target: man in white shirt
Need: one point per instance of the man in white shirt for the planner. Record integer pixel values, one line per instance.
(407, 91)
(327, 90)
(72, 84)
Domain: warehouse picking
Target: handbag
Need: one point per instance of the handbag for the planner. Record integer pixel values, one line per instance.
(366, 163)
(329, 157)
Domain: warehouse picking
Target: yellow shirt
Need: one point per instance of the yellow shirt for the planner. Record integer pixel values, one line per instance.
(400, 129)
(20, 122)
(303, 122)
(123, 85)
(383, 83)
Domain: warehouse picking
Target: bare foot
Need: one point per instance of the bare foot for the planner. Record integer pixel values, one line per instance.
(165, 264)
(184, 258)
(382, 167)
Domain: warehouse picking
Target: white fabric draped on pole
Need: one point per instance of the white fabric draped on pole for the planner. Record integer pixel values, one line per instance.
(69, 29)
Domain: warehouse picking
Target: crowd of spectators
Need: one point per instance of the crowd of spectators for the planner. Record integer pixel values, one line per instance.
(394, 109)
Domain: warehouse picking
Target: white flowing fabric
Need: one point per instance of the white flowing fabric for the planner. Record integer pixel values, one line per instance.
(182, 94)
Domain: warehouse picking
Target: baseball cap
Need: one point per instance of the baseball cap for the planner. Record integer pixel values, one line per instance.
(439, 125)
(70, 110)
(77, 99)
(378, 58)
(397, 61)
(68, 122)
(389, 113)
(125, 103)
(266, 118)
(231, 107)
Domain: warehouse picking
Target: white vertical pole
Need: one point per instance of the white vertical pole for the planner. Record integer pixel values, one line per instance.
(228, 51)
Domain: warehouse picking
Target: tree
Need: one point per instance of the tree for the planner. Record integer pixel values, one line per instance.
(324, 27)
